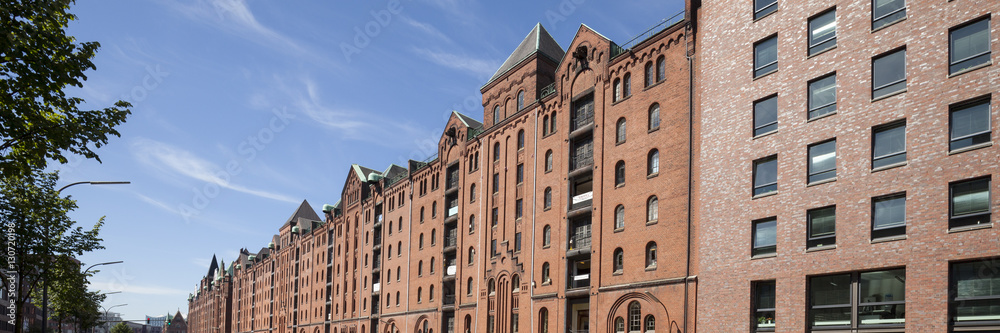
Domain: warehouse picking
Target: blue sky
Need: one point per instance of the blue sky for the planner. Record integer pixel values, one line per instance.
(243, 108)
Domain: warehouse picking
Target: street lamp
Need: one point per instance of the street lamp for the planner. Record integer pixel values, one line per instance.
(106, 311)
(103, 263)
(45, 284)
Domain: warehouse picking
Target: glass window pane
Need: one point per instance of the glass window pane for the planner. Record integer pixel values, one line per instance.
(766, 175)
(970, 45)
(830, 298)
(890, 212)
(970, 197)
(822, 96)
(890, 146)
(822, 222)
(766, 56)
(765, 115)
(882, 297)
(889, 74)
(764, 7)
(976, 287)
(823, 32)
(765, 234)
(885, 12)
(823, 161)
(970, 125)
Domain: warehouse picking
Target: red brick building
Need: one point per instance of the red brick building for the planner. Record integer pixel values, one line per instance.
(847, 164)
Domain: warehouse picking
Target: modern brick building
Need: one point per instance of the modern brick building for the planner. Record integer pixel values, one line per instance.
(819, 166)
(847, 164)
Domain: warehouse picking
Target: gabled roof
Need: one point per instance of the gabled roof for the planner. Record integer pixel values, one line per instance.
(363, 172)
(212, 267)
(468, 121)
(394, 174)
(538, 40)
(305, 211)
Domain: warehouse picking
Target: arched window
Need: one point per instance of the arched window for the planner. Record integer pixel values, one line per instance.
(618, 261)
(420, 294)
(472, 255)
(651, 255)
(619, 325)
(421, 214)
(650, 76)
(390, 227)
(468, 323)
(420, 245)
(515, 283)
(520, 139)
(496, 115)
(546, 235)
(627, 85)
(620, 173)
(388, 300)
(492, 287)
(430, 293)
(400, 224)
(388, 273)
(520, 99)
(652, 209)
(397, 296)
(543, 320)
(398, 269)
(496, 151)
(432, 265)
(472, 192)
(433, 236)
(620, 131)
(650, 324)
(468, 287)
(548, 198)
(545, 273)
(617, 90)
(420, 268)
(620, 217)
(434, 209)
(552, 124)
(661, 69)
(548, 160)
(634, 316)
(654, 117)
(545, 125)
(472, 224)
(653, 162)
(390, 252)
(399, 248)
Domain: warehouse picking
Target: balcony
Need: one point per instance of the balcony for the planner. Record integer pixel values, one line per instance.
(579, 281)
(578, 163)
(450, 240)
(378, 220)
(579, 243)
(582, 118)
(452, 182)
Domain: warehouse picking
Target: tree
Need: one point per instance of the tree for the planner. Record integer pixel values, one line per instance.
(69, 299)
(121, 328)
(37, 62)
(37, 227)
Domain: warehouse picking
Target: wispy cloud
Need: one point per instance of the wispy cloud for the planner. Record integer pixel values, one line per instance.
(480, 68)
(426, 28)
(173, 160)
(130, 288)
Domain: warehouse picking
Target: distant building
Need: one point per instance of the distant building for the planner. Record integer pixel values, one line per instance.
(175, 325)
(156, 322)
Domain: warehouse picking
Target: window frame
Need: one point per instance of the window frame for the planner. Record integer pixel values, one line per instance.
(619, 217)
(888, 156)
(816, 112)
(761, 70)
(618, 261)
(963, 221)
(818, 46)
(765, 11)
(763, 188)
(766, 250)
(758, 315)
(762, 130)
(885, 90)
(652, 209)
(651, 255)
(814, 241)
(547, 198)
(887, 19)
(894, 229)
(825, 175)
(661, 68)
(653, 163)
(650, 75)
(653, 117)
(952, 63)
(619, 173)
(955, 301)
(857, 306)
(520, 100)
(621, 130)
(988, 133)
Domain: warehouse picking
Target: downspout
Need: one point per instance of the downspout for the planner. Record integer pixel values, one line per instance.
(482, 198)
(534, 209)
(690, 200)
(409, 242)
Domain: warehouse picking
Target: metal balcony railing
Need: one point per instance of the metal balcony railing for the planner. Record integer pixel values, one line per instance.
(448, 299)
(581, 160)
(579, 241)
(452, 182)
(583, 118)
(451, 238)
(547, 90)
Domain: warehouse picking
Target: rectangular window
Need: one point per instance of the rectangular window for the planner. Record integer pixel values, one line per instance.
(970, 203)
(823, 96)
(520, 173)
(823, 32)
(970, 124)
(889, 145)
(889, 216)
(763, 7)
(830, 301)
(763, 306)
(496, 183)
(975, 292)
(969, 46)
(519, 208)
(765, 115)
(886, 12)
(496, 216)
(493, 248)
(822, 227)
(765, 239)
(765, 56)
(765, 175)
(823, 161)
(517, 241)
(889, 74)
